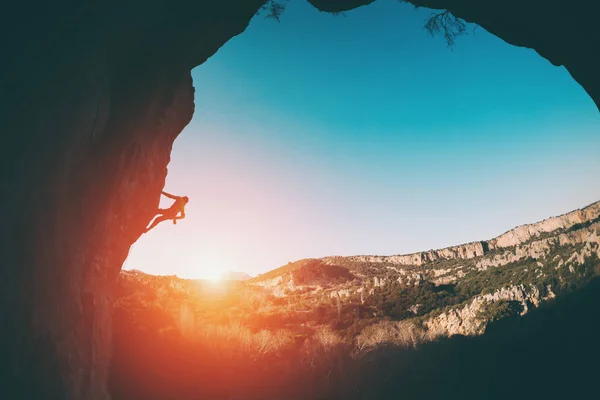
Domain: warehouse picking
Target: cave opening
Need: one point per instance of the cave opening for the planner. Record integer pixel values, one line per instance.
(288, 156)
(299, 135)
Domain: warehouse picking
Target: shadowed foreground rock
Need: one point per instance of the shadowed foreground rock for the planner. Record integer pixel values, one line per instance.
(93, 95)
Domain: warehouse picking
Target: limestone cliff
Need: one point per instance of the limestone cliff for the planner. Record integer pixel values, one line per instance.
(514, 237)
(93, 95)
(523, 233)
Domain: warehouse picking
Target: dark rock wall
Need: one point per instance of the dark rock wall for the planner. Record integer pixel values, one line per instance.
(92, 99)
(92, 96)
(565, 32)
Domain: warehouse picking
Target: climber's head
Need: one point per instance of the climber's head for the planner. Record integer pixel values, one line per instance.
(185, 199)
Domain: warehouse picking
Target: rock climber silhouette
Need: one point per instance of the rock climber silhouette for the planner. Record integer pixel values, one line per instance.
(171, 212)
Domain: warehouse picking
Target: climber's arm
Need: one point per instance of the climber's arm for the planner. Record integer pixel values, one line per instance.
(169, 195)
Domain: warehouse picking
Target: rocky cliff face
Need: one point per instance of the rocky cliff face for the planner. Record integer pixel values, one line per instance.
(93, 95)
(514, 237)
(524, 233)
(468, 321)
(464, 251)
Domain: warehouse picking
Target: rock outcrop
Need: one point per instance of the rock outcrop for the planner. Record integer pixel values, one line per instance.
(526, 232)
(468, 321)
(93, 95)
(514, 237)
(540, 248)
(464, 251)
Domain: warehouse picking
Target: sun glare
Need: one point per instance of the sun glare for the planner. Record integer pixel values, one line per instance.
(214, 275)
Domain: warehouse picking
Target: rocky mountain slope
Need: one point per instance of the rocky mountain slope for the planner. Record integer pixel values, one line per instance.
(400, 299)
(368, 327)
(403, 299)
(523, 267)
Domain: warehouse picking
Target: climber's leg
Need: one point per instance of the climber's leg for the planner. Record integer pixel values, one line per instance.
(157, 221)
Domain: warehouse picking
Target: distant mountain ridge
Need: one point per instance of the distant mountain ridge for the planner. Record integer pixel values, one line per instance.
(226, 276)
(235, 276)
(513, 237)
(516, 236)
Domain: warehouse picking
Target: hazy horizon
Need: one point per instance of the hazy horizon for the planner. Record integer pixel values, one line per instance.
(167, 272)
(362, 134)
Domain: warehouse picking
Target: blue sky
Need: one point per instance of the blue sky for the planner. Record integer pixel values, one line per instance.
(362, 134)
